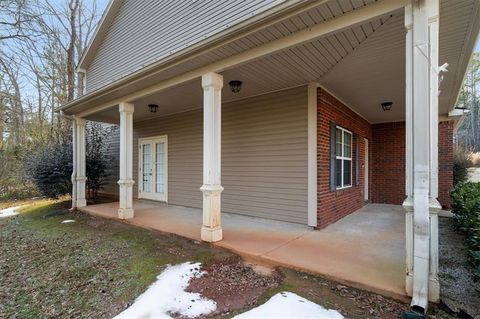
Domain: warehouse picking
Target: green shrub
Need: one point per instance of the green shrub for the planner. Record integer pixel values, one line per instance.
(461, 163)
(466, 207)
(50, 166)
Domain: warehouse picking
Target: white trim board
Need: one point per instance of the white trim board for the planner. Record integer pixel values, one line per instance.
(312, 154)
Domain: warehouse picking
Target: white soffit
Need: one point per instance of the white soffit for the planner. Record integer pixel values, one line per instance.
(363, 65)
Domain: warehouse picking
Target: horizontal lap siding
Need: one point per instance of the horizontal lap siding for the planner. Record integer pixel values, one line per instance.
(113, 149)
(264, 156)
(145, 31)
(185, 154)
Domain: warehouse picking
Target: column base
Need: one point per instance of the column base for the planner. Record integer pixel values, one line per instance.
(81, 202)
(433, 290)
(125, 213)
(211, 235)
(409, 284)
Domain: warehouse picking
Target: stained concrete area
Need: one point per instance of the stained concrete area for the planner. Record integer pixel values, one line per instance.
(365, 249)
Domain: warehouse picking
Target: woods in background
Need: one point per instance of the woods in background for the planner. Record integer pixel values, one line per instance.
(41, 42)
(468, 135)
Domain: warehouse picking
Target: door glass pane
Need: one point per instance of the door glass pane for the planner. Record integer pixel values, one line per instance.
(347, 173)
(146, 168)
(159, 167)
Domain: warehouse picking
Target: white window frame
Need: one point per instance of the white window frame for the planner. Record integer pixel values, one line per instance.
(343, 158)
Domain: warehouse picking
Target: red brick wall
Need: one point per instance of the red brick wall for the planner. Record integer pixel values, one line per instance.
(445, 162)
(388, 163)
(334, 205)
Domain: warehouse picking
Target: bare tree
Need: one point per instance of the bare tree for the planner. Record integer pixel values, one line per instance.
(15, 19)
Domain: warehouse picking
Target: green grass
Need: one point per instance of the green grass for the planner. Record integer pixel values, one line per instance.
(90, 268)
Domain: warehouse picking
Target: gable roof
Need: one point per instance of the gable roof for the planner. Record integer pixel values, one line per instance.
(168, 15)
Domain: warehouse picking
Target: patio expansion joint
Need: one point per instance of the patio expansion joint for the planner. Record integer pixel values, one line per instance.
(282, 245)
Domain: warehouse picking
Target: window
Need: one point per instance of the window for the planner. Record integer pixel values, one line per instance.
(343, 158)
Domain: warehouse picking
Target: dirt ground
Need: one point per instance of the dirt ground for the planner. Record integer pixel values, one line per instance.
(95, 268)
(460, 294)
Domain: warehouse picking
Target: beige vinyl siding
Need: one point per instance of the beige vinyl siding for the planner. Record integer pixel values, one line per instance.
(146, 31)
(185, 154)
(113, 149)
(264, 155)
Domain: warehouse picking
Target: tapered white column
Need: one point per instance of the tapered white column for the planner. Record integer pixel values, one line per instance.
(81, 177)
(212, 84)
(125, 210)
(421, 21)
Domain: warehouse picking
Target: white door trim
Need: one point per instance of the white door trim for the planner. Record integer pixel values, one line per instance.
(366, 169)
(152, 140)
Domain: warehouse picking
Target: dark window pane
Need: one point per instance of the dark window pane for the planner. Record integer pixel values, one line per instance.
(348, 145)
(339, 172)
(347, 173)
(338, 138)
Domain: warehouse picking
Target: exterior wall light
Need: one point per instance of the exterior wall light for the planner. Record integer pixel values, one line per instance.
(153, 108)
(235, 86)
(387, 106)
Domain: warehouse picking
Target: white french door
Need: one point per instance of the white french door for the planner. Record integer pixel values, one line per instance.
(153, 168)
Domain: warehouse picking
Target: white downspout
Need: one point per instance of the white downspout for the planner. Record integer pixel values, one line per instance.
(74, 159)
(424, 85)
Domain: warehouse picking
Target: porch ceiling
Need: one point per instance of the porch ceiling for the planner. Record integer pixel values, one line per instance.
(363, 66)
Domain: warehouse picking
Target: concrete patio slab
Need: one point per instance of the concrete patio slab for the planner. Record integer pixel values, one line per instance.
(365, 249)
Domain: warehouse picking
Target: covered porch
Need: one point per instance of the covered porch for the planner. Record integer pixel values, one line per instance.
(365, 249)
(272, 148)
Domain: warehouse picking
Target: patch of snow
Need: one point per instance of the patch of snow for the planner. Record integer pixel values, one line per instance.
(11, 211)
(289, 305)
(68, 221)
(167, 296)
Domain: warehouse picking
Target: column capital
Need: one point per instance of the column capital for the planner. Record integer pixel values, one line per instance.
(212, 79)
(127, 182)
(408, 17)
(433, 10)
(212, 189)
(126, 107)
(80, 121)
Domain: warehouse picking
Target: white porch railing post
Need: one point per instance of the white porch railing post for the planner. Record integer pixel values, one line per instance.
(212, 84)
(125, 210)
(421, 22)
(81, 177)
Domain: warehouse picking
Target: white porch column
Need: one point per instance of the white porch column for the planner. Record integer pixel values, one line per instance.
(433, 12)
(408, 203)
(73, 178)
(421, 21)
(212, 84)
(81, 177)
(125, 210)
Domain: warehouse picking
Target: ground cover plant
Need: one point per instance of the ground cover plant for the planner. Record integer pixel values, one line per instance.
(466, 207)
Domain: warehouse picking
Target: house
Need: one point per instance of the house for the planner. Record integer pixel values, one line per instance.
(297, 111)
